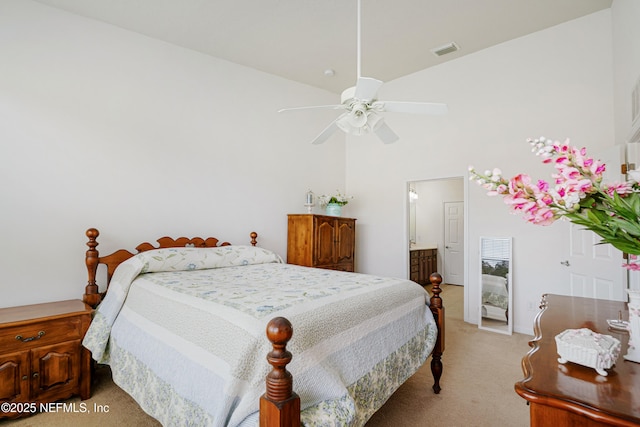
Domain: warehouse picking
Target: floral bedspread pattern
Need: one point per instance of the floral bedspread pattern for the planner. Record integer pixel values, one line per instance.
(184, 332)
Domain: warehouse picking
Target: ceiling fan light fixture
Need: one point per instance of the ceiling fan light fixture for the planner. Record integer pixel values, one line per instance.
(353, 124)
(374, 121)
(358, 116)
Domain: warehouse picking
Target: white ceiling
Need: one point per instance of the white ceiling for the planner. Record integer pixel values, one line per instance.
(299, 39)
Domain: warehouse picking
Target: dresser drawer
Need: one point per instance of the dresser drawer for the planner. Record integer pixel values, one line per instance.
(30, 335)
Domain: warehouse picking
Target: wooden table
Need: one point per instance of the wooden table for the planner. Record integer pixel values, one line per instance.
(570, 394)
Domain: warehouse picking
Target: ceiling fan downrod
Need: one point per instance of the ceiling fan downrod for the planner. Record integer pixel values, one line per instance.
(359, 41)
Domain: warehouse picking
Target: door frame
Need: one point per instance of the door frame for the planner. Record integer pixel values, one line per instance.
(407, 234)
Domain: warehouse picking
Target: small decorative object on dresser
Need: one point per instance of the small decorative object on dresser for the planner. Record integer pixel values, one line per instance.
(41, 356)
(321, 241)
(334, 209)
(333, 203)
(309, 201)
(588, 348)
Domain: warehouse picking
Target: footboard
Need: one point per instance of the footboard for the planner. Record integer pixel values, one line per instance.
(437, 308)
(280, 405)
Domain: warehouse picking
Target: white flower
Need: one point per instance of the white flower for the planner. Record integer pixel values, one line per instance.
(634, 175)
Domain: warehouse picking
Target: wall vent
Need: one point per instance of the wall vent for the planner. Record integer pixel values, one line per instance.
(443, 50)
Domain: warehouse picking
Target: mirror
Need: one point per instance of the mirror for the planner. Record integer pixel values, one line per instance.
(496, 287)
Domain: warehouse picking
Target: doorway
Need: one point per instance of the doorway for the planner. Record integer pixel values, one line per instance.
(436, 222)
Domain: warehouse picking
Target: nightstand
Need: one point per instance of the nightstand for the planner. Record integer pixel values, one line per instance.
(41, 355)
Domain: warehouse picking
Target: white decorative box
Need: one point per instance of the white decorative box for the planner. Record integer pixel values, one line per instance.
(588, 348)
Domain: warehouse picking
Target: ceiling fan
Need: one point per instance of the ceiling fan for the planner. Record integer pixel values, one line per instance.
(362, 107)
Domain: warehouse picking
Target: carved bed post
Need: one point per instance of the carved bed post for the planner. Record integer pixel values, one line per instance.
(91, 295)
(279, 406)
(438, 314)
(254, 237)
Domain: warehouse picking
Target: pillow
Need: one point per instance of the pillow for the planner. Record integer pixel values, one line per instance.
(179, 259)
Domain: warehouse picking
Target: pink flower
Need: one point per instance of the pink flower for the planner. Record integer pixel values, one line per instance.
(543, 217)
(546, 198)
(520, 181)
(632, 266)
(617, 187)
(577, 178)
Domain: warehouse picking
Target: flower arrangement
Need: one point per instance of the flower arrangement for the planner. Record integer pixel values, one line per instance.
(338, 199)
(612, 211)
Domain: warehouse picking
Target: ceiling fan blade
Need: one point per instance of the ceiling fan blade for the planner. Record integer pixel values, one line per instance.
(367, 88)
(326, 133)
(314, 107)
(385, 133)
(410, 107)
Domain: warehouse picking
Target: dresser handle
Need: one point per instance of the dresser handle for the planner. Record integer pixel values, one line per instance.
(40, 335)
(25, 377)
(35, 375)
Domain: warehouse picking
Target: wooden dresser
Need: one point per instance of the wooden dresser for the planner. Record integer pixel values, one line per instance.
(41, 355)
(570, 394)
(321, 241)
(422, 262)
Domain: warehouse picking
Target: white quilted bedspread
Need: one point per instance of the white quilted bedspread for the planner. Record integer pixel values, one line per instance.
(184, 332)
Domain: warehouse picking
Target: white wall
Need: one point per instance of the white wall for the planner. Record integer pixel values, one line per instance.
(557, 83)
(626, 62)
(101, 127)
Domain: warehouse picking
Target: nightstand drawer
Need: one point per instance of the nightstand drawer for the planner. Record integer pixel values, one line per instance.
(24, 337)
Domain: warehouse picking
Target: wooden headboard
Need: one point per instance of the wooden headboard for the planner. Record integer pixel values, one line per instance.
(92, 296)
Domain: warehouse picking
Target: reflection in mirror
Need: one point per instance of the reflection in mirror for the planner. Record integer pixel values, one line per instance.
(413, 196)
(496, 287)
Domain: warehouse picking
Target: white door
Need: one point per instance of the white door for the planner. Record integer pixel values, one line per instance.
(453, 243)
(595, 270)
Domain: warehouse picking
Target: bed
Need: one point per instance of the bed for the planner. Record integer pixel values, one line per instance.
(182, 326)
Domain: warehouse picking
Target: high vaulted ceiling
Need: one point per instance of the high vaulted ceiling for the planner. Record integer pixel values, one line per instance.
(300, 39)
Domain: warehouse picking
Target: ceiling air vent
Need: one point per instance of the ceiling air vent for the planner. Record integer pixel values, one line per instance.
(447, 48)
